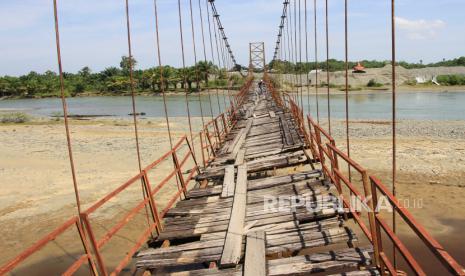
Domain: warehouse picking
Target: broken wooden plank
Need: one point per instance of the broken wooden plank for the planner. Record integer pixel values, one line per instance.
(255, 259)
(232, 252)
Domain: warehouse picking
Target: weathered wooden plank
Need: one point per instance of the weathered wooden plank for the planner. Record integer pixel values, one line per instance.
(240, 157)
(366, 272)
(241, 140)
(272, 114)
(232, 247)
(236, 271)
(235, 141)
(257, 184)
(287, 135)
(255, 262)
(307, 239)
(348, 258)
(228, 182)
(157, 252)
(269, 162)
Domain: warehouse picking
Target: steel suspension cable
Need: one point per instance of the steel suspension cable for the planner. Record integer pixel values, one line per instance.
(300, 60)
(196, 68)
(306, 58)
(285, 51)
(327, 68)
(218, 57)
(162, 82)
(316, 63)
(133, 101)
(162, 79)
(225, 65)
(394, 147)
(289, 45)
(212, 54)
(65, 109)
(346, 46)
(295, 50)
(294, 61)
(131, 80)
(205, 59)
(294, 81)
(185, 73)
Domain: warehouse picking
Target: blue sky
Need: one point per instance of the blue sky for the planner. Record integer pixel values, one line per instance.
(93, 32)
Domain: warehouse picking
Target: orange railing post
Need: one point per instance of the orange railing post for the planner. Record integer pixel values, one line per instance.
(179, 173)
(93, 242)
(152, 204)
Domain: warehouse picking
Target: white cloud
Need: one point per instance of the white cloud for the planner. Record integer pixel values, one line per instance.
(420, 29)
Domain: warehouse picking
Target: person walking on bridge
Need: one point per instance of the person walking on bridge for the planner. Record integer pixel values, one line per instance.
(260, 86)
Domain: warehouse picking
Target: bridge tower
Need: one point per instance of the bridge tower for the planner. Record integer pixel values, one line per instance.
(257, 56)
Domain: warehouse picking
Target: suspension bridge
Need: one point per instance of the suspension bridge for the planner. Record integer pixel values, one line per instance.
(261, 189)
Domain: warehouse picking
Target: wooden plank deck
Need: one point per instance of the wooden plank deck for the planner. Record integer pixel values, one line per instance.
(236, 225)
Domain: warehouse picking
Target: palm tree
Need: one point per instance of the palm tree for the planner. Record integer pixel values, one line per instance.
(205, 68)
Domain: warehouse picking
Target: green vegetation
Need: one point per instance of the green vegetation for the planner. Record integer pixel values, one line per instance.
(339, 65)
(374, 83)
(412, 82)
(15, 117)
(115, 81)
(451, 79)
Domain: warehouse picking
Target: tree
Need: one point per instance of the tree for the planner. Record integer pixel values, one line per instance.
(126, 63)
(85, 72)
(205, 68)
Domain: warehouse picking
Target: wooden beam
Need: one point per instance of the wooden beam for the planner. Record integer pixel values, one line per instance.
(255, 259)
(232, 251)
(240, 157)
(228, 182)
(241, 140)
(287, 133)
(234, 142)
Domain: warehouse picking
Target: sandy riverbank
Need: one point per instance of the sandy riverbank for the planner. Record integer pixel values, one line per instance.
(36, 192)
(403, 89)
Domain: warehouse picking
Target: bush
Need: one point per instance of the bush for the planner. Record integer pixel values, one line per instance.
(411, 82)
(451, 79)
(15, 117)
(373, 83)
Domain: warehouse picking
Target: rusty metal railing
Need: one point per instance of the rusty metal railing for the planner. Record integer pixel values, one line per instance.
(208, 140)
(323, 146)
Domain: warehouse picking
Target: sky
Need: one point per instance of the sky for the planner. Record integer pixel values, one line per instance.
(93, 33)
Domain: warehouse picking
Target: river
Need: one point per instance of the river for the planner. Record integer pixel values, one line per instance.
(411, 105)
